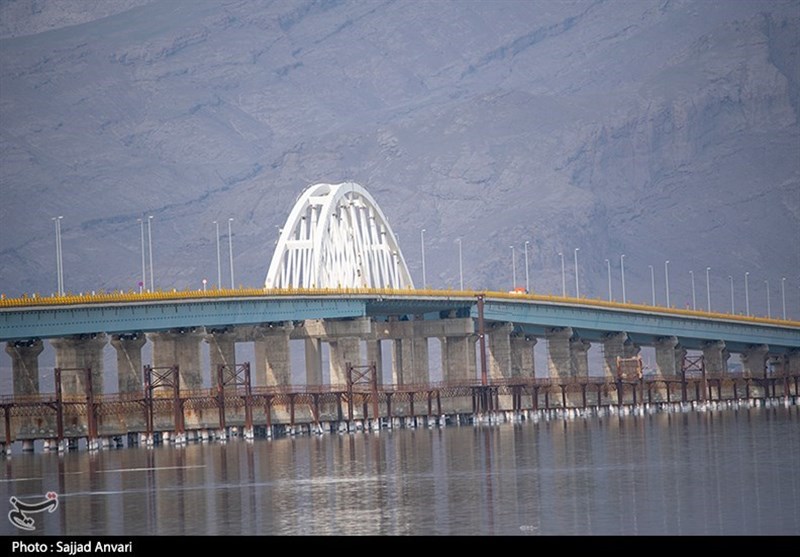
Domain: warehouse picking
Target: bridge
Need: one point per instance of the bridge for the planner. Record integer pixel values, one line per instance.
(338, 279)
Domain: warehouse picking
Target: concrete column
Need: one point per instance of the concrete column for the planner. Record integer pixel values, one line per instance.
(715, 359)
(499, 350)
(458, 359)
(180, 347)
(342, 351)
(613, 347)
(559, 356)
(754, 360)
(793, 362)
(129, 361)
(313, 347)
(25, 365)
(522, 361)
(667, 364)
(73, 355)
(221, 351)
(273, 359)
(410, 360)
(579, 356)
(630, 349)
(375, 354)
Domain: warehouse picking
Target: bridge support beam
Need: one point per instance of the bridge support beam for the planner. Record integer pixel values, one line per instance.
(375, 354)
(73, 355)
(522, 361)
(668, 357)
(313, 348)
(458, 358)
(715, 359)
(559, 355)
(273, 359)
(754, 360)
(579, 356)
(25, 365)
(180, 347)
(613, 347)
(129, 361)
(221, 350)
(793, 362)
(410, 360)
(342, 352)
(500, 350)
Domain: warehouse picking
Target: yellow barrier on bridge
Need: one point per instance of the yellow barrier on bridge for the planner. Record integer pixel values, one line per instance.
(119, 296)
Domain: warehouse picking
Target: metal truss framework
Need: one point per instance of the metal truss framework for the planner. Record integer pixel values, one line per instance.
(336, 236)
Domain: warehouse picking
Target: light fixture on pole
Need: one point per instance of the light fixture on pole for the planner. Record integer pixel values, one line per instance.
(708, 289)
(513, 270)
(747, 294)
(219, 260)
(142, 284)
(563, 276)
(622, 271)
(150, 251)
(666, 279)
(733, 307)
(652, 286)
(608, 265)
(59, 261)
(694, 298)
(769, 310)
(527, 277)
(422, 244)
(577, 288)
(460, 266)
(783, 296)
(230, 250)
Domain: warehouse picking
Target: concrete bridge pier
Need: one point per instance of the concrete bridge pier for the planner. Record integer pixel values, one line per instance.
(375, 354)
(74, 354)
(522, 361)
(180, 347)
(669, 358)
(715, 358)
(410, 360)
(499, 349)
(221, 350)
(313, 349)
(25, 365)
(754, 362)
(129, 361)
(342, 352)
(559, 361)
(579, 362)
(613, 348)
(273, 359)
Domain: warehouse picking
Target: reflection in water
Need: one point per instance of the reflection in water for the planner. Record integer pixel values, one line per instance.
(713, 473)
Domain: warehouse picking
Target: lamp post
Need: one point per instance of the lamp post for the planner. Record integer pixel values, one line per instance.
(230, 251)
(652, 286)
(708, 289)
(666, 279)
(733, 307)
(513, 270)
(527, 278)
(150, 251)
(747, 294)
(563, 276)
(769, 310)
(59, 259)
(460, 266)
(783, 296)
(622, 271)
(694, 298)
(608, 265)
(219, 260)
(422, 243)
(577, 288)
(144, 272)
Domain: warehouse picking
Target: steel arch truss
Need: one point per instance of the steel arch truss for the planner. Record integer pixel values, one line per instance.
(336, 236)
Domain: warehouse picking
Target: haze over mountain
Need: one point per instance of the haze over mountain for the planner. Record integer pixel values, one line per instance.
(662, 130)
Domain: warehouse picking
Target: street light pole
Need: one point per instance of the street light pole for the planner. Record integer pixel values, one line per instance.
(694, 297)
(783, 296)
(219, 260)
(527, 278)
(143, 284)
(622, 270)
(59, 261)
(513, 270)
(708, 289)
(733, 307)
(563, 276)
(577, 288)
(747, 294)
(769, 310)
(460, 266)
(608, 265)
(652, 286)
(422, 243)
(150, 251)
(666, 279)
(230, 251)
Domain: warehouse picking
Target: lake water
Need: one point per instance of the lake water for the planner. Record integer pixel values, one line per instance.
(715, 473)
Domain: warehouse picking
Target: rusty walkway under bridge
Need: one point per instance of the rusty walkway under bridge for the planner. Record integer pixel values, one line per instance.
(233, 407)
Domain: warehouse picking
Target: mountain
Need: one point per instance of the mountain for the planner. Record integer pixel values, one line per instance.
(662, 130)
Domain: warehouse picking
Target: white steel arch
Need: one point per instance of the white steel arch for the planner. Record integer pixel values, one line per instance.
(336, 236)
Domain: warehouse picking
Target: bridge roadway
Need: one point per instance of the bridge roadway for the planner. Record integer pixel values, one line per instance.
(23, 319)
